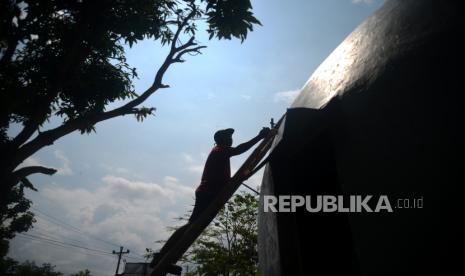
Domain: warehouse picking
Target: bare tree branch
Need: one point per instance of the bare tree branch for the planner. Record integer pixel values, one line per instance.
(50, 136)
(26, 171)
(28, 184)
(177, 58)
(181, 25)
(189, 43)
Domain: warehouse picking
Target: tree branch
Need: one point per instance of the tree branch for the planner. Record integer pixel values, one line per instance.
(28, 130)
(50, 136)
(26, 171)
(28, 184)
(189, 43)
(177, 58)
(181, 25)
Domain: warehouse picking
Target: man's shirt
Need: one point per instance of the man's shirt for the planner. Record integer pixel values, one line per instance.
(217, 170)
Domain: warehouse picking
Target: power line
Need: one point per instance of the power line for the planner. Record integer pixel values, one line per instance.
(138, 255)
(65, 243)
(59, 244)
(71, 227)
(45, 239)
(77, 248)
(68, 226)
(62, 235)
(52, 237)
(46, 232)
(108, 256)
(135, 258)
(53, 241)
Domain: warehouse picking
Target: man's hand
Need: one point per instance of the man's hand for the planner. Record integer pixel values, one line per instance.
(266, 131)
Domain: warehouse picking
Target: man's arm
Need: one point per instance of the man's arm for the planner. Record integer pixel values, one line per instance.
(247, 145)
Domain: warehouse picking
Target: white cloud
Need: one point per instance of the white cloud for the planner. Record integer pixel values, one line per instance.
(246, 97)
(115, 170)
(31, 161)
(171, 179)
(362, 1)
(120, 210)
(134, 190)
(65, 168)
(173, 184)
(198, 169)
(286, 96)
(187, 158)
(194, 165)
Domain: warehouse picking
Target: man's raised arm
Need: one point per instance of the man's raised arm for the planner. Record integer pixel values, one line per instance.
(247, 145)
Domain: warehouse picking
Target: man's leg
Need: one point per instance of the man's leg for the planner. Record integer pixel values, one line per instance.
(200, 205)
(172, 240)
(174, 269)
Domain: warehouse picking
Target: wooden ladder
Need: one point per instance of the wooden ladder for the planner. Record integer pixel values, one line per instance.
(248, 168)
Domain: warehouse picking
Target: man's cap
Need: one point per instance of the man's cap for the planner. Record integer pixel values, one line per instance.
(223, 133)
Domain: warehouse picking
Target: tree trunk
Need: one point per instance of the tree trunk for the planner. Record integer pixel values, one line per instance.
(7, 180)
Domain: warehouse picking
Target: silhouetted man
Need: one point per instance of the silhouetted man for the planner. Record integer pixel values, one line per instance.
(216, 174)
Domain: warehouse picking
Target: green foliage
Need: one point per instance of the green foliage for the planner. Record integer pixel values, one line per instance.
(230, 18)
(10, 267)
(229, 245)
(14, 217)
(69, 58)
(143, 112)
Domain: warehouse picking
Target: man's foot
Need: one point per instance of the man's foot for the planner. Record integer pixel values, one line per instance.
(155, 259)
(174, 269)
(171, 268)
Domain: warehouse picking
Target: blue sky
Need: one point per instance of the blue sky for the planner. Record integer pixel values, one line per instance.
(127, 182)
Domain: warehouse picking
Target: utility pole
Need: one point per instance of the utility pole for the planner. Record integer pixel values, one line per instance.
(120, 253)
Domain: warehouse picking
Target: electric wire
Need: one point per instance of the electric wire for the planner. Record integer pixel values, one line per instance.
(65, 243)
(59, 222)
(44, 231)
(93, 251)
(59, 244)
(72, 228)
